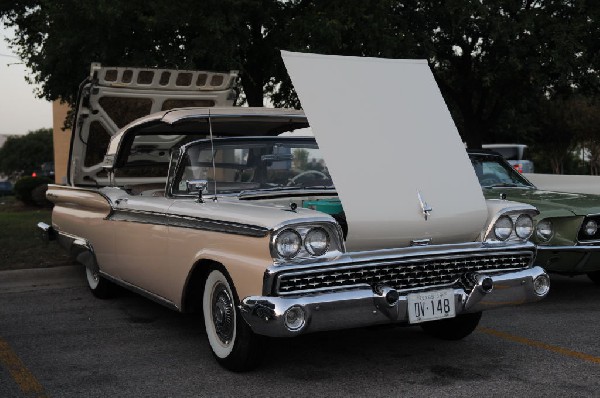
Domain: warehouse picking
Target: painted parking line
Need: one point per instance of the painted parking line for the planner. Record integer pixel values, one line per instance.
(538, 344)
(26, 381)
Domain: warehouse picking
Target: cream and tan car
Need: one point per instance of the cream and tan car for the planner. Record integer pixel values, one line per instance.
(271, 226)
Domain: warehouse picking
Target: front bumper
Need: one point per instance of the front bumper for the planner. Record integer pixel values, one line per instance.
(576, 259)
(366, 305)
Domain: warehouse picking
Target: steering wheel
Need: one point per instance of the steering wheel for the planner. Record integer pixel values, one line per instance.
(306, 173)
(489, 179)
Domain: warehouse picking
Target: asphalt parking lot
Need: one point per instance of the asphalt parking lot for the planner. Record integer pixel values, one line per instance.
(57, 340)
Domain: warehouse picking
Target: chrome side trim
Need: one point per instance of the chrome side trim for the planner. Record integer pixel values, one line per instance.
(588, 242)
(139, 216)
(218, 226)
(574, 248)
(205, 224)
(142, 292)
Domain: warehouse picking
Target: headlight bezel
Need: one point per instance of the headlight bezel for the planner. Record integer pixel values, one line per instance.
(334, 247)
(513, 213)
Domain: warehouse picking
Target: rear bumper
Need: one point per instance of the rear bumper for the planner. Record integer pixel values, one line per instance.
(360, 307)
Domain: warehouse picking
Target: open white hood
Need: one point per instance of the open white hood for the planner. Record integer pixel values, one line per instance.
(391, 148)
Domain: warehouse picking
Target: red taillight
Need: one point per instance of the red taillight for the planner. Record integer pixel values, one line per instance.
(34, 174)
(518, 167)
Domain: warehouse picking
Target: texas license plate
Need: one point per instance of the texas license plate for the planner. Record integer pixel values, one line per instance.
(429, 306)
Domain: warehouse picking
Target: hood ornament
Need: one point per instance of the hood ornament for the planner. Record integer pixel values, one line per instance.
(424, 206)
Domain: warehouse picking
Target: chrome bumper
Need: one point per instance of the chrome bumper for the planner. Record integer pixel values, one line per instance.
(360, 307)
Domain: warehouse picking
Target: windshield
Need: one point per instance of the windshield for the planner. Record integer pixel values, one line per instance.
(249, 165)
(494, 172)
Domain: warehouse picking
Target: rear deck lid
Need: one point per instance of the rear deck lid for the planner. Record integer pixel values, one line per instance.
(396, 158)
(112, 97)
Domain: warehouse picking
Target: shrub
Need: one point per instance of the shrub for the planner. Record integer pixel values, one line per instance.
(25, 187)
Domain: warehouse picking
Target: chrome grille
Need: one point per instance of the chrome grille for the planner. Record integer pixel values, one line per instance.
(401, 275)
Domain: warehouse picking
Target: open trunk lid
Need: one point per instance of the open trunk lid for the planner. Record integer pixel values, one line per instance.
(112, 97)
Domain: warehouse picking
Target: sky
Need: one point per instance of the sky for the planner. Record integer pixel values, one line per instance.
(20, 110)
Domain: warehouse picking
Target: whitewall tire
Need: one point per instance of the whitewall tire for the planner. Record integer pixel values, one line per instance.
(99, 286)
(231, 340)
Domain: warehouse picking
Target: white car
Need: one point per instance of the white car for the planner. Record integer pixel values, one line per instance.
(228, 212)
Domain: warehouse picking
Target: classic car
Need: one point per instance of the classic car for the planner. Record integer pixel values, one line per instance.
(566, 229)
(515, 155)
(233, 212)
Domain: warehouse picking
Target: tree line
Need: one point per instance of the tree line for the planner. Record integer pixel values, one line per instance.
(510, 70)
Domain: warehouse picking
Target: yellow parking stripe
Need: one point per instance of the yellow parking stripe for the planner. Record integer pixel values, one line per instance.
(539, 344)
(26, 381)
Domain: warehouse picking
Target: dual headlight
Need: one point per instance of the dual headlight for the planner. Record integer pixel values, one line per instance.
(515, 227)
(304, 241)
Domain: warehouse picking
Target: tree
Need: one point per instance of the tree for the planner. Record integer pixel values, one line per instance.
(59, 40)
(26, 153)
(554, 136)
(493, 60)
(584, 121)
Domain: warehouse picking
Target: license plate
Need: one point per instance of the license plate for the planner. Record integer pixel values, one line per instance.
(429, 306)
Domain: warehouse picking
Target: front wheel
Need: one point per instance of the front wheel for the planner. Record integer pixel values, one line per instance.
(233, 343)
(100, 287)
(454, 328)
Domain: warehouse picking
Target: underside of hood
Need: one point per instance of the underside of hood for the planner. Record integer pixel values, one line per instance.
(392, 149)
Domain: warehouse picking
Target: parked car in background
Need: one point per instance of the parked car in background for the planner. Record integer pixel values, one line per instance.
(226, 211)
(515, 154)
(6, 188)
(566, 229)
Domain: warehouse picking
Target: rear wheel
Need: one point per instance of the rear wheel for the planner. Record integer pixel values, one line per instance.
(233, 343)
(594, 276)
(454, 328)
(100, 287)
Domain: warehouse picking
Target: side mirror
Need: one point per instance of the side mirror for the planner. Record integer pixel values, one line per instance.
(196, 186)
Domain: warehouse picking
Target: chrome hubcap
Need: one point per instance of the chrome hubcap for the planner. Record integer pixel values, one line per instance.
(222, 314)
